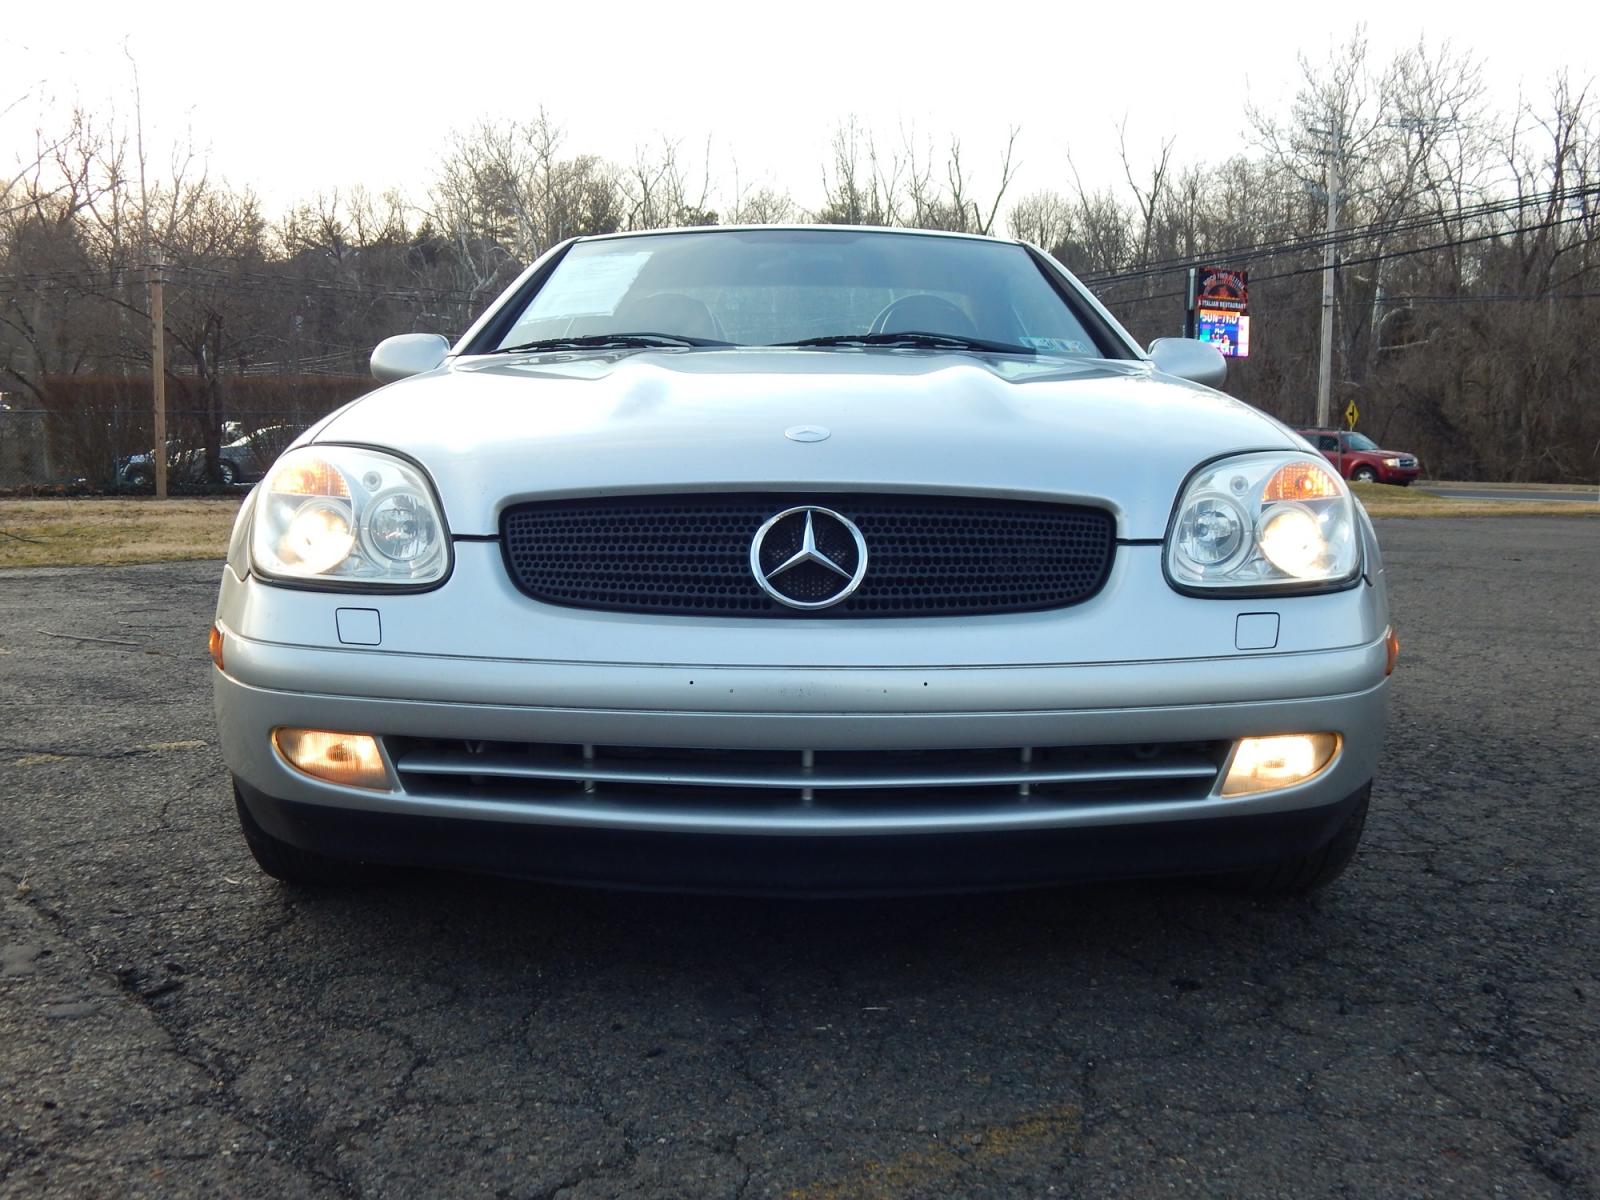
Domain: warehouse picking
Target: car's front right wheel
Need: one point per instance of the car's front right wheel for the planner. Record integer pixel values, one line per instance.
(1302, 873)
(290, 863)
(1364, 475)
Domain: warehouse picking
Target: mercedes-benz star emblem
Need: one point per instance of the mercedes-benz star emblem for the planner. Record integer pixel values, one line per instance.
(808, 557)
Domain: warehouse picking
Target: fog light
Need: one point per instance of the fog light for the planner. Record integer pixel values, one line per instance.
(348, 759)
(1261, 764)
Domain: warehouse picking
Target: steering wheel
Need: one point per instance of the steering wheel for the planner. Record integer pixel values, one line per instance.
(924, 313)
(671, 312)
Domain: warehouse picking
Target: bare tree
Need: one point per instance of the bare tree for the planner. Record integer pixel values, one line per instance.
(761, 206)
(1469, 248)
(657, 192)
(866, 187)
(1043, 218)
(1150, 195)
(863, 188)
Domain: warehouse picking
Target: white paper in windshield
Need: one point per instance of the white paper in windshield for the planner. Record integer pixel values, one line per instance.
(594, 287)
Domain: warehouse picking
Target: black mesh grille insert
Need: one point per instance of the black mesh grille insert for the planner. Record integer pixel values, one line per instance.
(690, 554)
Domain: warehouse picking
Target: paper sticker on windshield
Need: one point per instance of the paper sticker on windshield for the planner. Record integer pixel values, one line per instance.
(598, 288)
(1058, 345)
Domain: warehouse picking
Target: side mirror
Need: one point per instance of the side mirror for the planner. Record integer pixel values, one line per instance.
(407, 354)
(1188, 359)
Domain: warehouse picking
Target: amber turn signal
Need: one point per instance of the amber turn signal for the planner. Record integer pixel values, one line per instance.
(1391, 639)
(308, 477)
(1300, 481)
(214, 644)
(348, 759)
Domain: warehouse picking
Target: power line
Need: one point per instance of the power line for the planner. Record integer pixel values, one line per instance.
(1497, 298)
(1382, 256)
(1283, 246)
(90, 278)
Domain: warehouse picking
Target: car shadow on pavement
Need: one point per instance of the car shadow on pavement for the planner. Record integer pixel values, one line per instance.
(486, 923)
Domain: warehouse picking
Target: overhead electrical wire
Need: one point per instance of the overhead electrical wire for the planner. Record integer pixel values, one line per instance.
(1281, 246)
(1383, 256)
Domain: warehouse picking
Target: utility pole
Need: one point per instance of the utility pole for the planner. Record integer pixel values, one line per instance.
(1325, 365)
(158, 375)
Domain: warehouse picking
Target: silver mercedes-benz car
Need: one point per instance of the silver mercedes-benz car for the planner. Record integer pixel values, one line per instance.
(802, 559)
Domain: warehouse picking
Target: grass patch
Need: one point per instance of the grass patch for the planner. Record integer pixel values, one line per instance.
(1386, 500)
(112, 531)
(108, 532)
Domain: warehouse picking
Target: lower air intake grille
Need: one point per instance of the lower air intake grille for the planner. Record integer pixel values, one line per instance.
(776, 781)
(689, 555)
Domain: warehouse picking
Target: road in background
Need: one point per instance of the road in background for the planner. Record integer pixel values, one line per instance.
(1466, 491)
(172, 1023)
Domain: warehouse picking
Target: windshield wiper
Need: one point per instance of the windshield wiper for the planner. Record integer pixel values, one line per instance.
(914, 339)
(611, 341)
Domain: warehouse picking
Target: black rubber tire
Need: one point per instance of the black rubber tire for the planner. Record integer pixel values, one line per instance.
(141, 479)
(227, 473)
(292, 864)
(1305, 873)
(1364, 475)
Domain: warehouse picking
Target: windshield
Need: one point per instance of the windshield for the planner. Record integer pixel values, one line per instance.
(776, 287)
(1359, 441)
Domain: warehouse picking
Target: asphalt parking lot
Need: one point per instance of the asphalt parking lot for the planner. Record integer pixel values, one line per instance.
(173, 1023)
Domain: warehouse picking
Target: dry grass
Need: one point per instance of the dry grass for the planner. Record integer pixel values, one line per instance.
(1385, 500)
(106, 532)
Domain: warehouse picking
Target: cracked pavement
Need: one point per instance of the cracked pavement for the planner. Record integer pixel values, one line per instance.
(174, 1023)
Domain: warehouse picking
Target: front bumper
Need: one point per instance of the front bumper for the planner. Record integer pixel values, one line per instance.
(808, 866)
(818, 711)
(473, 668)
(1398, 475)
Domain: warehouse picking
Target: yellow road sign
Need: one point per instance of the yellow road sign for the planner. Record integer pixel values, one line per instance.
(1352, 414)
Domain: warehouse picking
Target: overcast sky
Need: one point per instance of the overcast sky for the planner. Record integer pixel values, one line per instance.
(294, 98)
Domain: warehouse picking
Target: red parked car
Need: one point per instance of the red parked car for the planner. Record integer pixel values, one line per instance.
(1358, 457)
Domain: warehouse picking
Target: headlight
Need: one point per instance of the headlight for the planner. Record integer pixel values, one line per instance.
(1263, 522)
(349, 517)
(1391, 462)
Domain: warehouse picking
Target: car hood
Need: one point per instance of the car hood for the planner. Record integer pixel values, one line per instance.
(496, 431)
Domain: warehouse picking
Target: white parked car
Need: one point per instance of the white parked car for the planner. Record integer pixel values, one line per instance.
(802, 559)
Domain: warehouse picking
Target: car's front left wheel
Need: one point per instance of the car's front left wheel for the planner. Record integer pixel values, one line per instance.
(290, 863)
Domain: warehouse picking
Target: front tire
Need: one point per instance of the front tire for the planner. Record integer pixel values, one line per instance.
(290, 863)
(227, 473)
(1364, 475)
(1301, 874)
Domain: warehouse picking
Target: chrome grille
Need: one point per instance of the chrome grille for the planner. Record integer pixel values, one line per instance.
(689, 555)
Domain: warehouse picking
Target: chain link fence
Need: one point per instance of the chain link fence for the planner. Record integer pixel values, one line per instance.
(95, 433)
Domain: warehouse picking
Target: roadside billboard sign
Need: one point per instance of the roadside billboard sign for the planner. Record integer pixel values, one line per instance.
(1219, 309)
